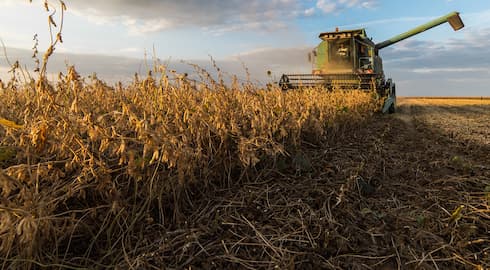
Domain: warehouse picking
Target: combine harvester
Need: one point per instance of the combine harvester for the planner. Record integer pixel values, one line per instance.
(350, 60)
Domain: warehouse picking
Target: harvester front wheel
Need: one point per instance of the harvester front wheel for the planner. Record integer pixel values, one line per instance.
(392, 109)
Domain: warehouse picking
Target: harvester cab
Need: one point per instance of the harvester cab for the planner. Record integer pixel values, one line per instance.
(350, 60)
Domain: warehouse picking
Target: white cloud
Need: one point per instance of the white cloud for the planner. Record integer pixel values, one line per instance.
(359, 3)
(8, 3)
(330, 6)
(349, 3)
(154, 16)
(159, 15)
(309, 12)
(139, 27)
(268, 26)
(132, 50)
(327, 6)
(94, 16)
(452, 70)
(4, 73)
(369, 4)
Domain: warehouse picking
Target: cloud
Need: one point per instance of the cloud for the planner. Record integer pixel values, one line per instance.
(111, 68)
(369, 4)
(276, 60)
(115, 68)
(217, 16)
(309, 12)
(6, 3)
(452, 70)
(240, 27)
(326, 6)
(137, 27)
(148, 16)
(330, 6)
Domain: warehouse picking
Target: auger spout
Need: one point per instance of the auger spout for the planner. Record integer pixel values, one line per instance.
(452, 18)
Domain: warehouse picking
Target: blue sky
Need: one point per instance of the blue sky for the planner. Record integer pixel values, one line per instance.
(111, 37)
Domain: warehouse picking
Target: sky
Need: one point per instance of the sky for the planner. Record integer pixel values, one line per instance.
(116, 38)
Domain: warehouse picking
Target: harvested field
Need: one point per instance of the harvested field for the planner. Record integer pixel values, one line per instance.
(464, 118)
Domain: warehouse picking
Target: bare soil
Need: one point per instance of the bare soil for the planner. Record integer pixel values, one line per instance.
(385, 196)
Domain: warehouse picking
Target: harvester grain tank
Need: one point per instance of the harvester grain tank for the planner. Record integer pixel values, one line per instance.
(350, 60)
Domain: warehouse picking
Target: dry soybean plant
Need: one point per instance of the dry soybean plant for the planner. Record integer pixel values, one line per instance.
(87, 167)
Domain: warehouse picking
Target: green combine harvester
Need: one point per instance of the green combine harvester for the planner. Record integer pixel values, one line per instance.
(350, 60)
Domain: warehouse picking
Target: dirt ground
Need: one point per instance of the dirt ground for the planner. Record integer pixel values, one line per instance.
(405, 191)
(464, 119)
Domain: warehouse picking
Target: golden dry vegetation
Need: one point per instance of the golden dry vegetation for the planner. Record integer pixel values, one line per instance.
(87, 167)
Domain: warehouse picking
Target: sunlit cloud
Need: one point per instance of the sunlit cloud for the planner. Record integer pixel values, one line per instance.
(330, 6)
(452, 70)
(160, 15)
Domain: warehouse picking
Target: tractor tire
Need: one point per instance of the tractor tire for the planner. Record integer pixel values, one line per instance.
(391, 109)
